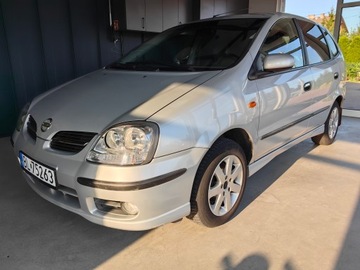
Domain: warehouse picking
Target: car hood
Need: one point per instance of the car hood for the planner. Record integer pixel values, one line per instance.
(100, 99)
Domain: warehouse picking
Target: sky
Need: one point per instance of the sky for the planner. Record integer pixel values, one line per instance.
(317, 7)
(309, 7)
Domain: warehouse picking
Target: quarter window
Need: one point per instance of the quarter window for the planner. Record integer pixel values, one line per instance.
(316, 46)
(331, 43)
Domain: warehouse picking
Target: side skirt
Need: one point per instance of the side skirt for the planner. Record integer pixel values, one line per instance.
(258, 164)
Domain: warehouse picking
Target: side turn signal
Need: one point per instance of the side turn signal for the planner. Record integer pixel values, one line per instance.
(252, 104)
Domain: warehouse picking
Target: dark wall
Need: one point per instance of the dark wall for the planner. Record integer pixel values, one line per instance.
(8, 107)
(44, 43)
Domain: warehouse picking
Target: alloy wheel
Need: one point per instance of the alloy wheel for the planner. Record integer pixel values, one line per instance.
(225, 185)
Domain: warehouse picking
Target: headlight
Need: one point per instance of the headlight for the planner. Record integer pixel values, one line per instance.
(22, 117)
(127, 144)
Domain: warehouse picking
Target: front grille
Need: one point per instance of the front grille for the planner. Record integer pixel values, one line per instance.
(71, 141)
(31, 127)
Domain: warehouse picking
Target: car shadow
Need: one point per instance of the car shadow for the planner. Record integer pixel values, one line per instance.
(35, 234)
(265, 177)
(59, 237)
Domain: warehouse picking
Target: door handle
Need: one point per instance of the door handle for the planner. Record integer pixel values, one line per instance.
(336, 75)
(307, 86)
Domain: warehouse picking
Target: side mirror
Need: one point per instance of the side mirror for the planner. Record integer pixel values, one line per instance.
(274, 62)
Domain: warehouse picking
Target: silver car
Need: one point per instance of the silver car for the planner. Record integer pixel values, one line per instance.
(175, 128)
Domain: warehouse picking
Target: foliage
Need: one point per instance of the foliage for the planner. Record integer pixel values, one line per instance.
(329, 22)
(353, 71)
(349, 44)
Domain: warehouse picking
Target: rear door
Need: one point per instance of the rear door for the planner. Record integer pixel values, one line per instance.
(284, 103)
(325, 67)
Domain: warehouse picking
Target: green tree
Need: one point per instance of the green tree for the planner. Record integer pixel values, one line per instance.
(344, 43)
(351, 53)
(329, 21)
(356, 32)
(349, 44)
(354, 52)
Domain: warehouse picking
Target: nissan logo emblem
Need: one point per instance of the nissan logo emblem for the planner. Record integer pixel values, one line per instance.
(46, 125)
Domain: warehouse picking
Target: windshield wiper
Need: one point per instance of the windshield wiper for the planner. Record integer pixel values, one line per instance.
(133, 66)
(149, 66)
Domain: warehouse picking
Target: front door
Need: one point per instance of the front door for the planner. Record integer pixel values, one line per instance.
(285, 99)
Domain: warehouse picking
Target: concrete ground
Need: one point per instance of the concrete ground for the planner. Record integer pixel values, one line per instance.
(352, 100)
(302, 211)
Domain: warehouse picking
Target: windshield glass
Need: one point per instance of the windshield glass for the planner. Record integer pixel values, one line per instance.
(208, 45)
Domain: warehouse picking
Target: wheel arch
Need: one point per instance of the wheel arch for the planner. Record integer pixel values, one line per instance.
(227, 142)
(242, 138)
(340, 100)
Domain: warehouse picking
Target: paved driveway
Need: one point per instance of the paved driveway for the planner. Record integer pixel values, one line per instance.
(302, 211)
(352, 100)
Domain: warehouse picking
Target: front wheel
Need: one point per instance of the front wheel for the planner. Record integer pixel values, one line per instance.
(331, 127)
(219, 184)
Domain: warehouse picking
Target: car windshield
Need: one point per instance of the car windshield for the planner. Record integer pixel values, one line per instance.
(207, 45)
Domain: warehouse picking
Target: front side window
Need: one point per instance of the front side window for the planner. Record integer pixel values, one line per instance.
(316, 46)
(209, 45)
(282, 38)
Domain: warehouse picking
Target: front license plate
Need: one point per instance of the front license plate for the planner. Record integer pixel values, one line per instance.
(38, 170)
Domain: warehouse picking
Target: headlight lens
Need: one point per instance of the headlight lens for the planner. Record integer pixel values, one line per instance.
(127, 144)
(22, 117)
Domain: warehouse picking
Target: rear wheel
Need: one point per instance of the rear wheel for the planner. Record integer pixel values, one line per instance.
(219, 184)
(331, 127)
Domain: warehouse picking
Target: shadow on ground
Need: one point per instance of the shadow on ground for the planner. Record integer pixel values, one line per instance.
(265, 177)
(34, 234)
(38, 235)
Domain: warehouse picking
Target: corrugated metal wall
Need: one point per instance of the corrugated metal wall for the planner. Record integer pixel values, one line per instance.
(44, 43)
(8, 109)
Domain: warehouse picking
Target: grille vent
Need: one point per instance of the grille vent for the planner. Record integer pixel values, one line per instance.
(31, 127)
(71, 141)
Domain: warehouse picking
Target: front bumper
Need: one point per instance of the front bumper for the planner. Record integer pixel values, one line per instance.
(160, 190)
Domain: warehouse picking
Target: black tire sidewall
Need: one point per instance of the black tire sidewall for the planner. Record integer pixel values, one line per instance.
(213, 158)
(335, 106)
(324, 138)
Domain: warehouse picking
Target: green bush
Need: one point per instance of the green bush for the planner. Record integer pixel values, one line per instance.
(350, 46)
(353, 71)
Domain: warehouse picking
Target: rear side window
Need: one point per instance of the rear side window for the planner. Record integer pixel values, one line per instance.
(315, 43)
(331, 43)
(282, 38)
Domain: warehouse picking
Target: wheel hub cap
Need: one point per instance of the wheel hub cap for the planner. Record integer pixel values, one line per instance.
(225, 185)
(333, 123)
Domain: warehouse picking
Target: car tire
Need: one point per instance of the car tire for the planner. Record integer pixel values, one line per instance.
(331, 127)
(219, 184)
